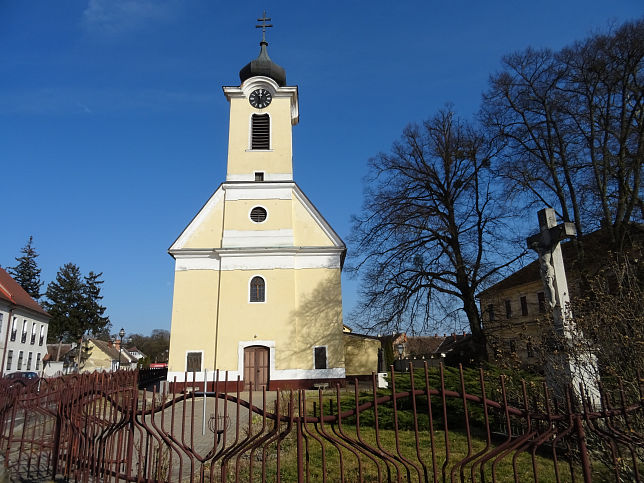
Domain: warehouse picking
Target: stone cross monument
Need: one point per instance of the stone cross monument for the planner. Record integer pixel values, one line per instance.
(572, 364)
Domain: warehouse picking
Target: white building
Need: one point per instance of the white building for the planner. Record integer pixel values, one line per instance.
(23, 329)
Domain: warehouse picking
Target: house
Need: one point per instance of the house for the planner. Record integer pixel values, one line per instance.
(363, 355)
(101, 356)
(23, 328)
(513, 310)
(58, 360)
(257, 291)
(135, 352)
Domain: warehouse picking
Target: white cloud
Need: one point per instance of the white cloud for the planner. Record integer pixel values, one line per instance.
(113, 17)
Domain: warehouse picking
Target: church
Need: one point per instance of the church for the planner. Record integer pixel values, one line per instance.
(257, 290)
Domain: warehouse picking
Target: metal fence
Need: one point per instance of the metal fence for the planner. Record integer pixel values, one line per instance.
(439, 424)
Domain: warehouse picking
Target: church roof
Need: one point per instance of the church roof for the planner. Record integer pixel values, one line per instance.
(263, 66)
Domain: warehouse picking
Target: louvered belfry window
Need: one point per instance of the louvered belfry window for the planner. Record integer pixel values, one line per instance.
(257, 290)
(261, 131)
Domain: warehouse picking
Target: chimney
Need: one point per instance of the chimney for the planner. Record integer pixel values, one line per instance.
(109, 343)
(117, 345)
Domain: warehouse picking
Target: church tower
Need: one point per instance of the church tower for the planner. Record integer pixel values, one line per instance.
(257, 291)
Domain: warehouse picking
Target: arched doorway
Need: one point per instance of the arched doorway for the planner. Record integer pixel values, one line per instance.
(256, 359)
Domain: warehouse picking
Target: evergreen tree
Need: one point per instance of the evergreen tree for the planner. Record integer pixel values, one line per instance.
(73, 303)
(26, 272)
(95, 320)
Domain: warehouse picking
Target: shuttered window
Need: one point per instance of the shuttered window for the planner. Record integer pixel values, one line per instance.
(320, 357)
(260, 131)
(193, 362)
(257, 290)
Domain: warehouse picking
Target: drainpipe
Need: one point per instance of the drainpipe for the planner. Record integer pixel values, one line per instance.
(6, 339)
(223, 227)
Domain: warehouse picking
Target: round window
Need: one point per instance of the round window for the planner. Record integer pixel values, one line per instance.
(258, 214)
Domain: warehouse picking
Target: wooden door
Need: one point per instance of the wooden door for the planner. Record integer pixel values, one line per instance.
(255, 367)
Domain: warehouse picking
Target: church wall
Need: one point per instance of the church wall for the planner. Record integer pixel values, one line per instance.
(208, 233)
(319, 316)
(278, 159)
(238, 215)
(307, 231)
(194, 309)
(241, 320)
(360, 355)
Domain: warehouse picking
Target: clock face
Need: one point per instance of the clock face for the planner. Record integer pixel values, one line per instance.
(260, 98)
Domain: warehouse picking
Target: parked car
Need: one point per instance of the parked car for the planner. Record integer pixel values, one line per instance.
(23, 377)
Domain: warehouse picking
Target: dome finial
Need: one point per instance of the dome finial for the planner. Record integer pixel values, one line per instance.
(263, 65)
(264, 26)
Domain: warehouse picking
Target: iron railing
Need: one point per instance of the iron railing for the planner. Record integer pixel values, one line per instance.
(435, 425)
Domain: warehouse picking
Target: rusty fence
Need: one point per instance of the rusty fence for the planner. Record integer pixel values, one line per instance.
(440, 424)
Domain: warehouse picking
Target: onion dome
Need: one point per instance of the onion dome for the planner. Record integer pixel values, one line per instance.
(264, 66)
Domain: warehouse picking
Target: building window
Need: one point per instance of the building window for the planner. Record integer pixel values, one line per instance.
(14, 328)
(320, 357)
(258, 214)
(529, 349)
(257, 290)
(490, 311)
(193, 362)
(9, 360)
(260, 131)
(33, 333)
(38, 361)
(20, 354)
(23, 337)
(42, 335)
(524, 306)
(259, 176)
(508, 309)
(542, 302)
(29, 359)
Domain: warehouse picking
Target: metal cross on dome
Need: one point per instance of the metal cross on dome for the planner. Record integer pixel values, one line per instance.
(264, 25)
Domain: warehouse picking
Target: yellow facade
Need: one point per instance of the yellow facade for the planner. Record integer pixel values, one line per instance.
(296, 323)
(361, 354)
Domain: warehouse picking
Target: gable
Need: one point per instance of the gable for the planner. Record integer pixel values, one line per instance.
(205, 229)
(310, 227)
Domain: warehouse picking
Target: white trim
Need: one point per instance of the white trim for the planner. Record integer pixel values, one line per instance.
(335, 372)
(182, 264)
(249, 85)
(248, 291)
(258, 238)
(268, 259)
(270, 344)
(253, 221)
(258, 191)
(274, 375)
(216, 197)
(186, 359)
(268, 177)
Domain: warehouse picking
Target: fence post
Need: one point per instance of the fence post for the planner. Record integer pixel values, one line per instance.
(583, 449)
(300, 449)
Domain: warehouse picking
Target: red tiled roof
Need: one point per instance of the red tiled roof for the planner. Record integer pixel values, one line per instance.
(15, 294)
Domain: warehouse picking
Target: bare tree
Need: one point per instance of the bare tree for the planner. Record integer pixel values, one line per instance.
(430, 227)
(571, 127)
(605, 88)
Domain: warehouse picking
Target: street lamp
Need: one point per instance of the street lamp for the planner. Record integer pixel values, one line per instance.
(121, 335)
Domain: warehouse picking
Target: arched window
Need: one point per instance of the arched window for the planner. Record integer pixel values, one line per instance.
(257, 290)
(260, 131)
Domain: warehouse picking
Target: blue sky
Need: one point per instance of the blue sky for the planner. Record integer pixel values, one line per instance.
(113, 125)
